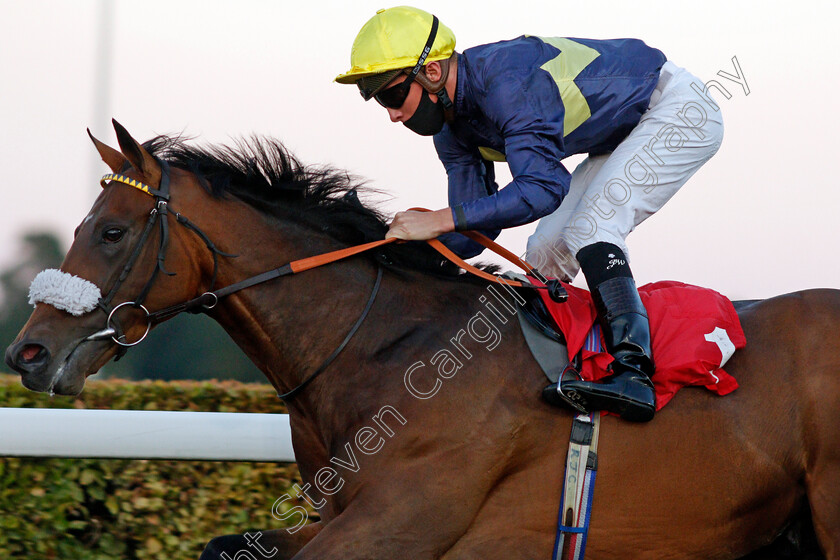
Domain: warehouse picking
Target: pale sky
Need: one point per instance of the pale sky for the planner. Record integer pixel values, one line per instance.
(758, 220)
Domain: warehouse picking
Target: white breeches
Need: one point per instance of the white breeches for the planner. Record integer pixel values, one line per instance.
(611, 194)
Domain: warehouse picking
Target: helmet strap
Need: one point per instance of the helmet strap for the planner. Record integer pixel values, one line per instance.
(438, 87)
(446, 101)
(414, 72)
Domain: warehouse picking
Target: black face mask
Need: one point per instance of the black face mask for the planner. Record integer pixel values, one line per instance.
(428, 119)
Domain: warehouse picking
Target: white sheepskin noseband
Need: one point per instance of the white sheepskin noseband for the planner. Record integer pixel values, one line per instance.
(64, 291)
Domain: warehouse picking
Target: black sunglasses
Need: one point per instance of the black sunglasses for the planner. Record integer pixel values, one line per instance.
(394, 96)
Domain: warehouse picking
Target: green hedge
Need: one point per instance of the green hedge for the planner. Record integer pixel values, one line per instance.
(129, 509)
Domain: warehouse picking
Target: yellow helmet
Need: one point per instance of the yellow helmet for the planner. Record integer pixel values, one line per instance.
(395, 39)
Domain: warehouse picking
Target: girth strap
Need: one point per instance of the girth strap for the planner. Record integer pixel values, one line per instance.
(578, 488)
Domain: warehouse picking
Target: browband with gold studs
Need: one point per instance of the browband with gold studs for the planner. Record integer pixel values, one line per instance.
(132, 183)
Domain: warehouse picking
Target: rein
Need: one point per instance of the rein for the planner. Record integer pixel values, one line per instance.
(208, 300)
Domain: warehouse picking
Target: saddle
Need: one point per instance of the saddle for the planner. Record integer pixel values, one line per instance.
(543, 335)
(694, 332)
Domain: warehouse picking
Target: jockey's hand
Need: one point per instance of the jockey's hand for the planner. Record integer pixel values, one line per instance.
(419, 226)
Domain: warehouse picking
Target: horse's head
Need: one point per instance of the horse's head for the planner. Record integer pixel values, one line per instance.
(117, 255)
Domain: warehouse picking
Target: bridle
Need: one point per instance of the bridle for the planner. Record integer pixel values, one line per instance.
(158, 216)
(209, 299)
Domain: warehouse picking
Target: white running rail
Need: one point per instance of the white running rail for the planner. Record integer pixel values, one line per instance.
(140, 434)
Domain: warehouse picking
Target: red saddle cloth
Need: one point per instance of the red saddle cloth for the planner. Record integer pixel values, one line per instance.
(694, 331)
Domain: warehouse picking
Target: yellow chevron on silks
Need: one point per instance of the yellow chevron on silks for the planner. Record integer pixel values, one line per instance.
(564, 68)
(123, 179)
(490, 154)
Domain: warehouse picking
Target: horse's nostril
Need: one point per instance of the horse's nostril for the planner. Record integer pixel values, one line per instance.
(31, 353)
(28, 357)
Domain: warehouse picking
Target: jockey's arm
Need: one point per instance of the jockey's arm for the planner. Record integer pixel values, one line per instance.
(530, 121)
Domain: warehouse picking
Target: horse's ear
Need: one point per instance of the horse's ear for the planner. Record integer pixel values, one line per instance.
(112, 158)
(137, 155)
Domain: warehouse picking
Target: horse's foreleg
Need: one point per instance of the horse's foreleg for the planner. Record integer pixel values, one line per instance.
(822, 437)
(824, 498)
(278, 544)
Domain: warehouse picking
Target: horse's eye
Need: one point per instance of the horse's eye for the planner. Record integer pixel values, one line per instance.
(112, 235)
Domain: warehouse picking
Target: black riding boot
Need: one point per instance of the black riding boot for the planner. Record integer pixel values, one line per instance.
(628, 392)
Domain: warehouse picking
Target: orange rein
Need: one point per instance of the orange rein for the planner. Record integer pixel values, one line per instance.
(483, 240)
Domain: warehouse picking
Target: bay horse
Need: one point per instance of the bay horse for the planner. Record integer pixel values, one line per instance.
(406, 454)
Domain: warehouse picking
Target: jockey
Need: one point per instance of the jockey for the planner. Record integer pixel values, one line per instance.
(646, 124)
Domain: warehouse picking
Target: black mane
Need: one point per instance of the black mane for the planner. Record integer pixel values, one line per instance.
(261, 172)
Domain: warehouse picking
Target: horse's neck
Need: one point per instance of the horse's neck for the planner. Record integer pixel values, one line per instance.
(290, 325)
